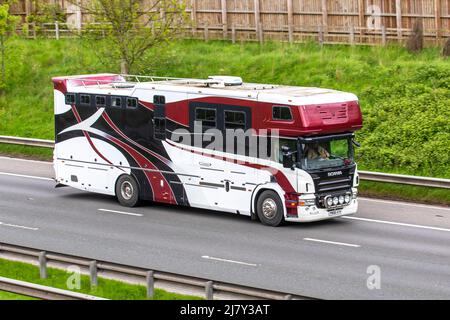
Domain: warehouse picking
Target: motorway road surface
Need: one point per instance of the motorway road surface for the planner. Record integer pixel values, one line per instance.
(408, 243)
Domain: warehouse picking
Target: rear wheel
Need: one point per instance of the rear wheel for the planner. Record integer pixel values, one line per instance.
(127, 191)
(270, 209)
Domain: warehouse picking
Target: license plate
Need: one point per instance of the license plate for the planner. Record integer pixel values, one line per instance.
(335, 212)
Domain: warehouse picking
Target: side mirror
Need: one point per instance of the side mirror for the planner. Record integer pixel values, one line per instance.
(285, 150)
(287, 157)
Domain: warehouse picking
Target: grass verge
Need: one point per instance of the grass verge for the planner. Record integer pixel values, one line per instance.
(394, 191)
(110, 289)
(12, 296)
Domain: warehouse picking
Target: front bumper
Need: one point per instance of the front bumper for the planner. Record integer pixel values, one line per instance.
(313, 213)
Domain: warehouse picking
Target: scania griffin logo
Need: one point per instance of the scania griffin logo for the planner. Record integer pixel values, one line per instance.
(334, 173)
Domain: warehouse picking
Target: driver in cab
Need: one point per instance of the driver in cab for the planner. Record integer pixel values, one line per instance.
(317, 152)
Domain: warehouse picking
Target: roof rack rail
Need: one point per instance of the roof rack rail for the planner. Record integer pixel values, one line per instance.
(129, 80)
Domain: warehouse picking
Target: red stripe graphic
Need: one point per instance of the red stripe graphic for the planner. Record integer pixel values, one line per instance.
(77, 116)
(281, 178)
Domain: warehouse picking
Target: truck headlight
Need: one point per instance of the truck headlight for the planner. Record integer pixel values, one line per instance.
(341, 199)
(335, 201)
(347, 198)
(329, 202)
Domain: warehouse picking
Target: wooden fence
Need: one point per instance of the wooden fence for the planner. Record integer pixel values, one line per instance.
(328, 21)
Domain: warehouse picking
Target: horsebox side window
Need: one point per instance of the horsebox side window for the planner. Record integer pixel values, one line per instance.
(70, 98)
(281, 113)
(100, 101)
(132, 103)
(116, 102)
(206, 116)
(85, 100)
(235, 120)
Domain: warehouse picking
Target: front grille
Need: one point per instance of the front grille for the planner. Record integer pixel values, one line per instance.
(334, 184)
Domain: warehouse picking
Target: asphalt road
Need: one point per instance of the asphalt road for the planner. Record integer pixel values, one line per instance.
(408, 243)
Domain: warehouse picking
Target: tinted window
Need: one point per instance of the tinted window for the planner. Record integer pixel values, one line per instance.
(159, 99)
(234, 120)
(100, 101)
(206, 116)
(70, 98)
(132, 103)
(116, 102)
(85, 99)
(281, 113)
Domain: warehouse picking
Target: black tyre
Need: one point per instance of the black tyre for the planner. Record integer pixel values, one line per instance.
(270, 209)
(127, 191)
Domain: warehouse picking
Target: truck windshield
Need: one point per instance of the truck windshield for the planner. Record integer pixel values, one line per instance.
(326, 154)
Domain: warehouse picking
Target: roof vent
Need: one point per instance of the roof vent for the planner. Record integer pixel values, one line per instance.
(227, 80)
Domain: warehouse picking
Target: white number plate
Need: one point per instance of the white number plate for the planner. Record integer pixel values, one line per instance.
(335, 212)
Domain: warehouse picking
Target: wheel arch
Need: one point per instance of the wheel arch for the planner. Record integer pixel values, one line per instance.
(267, 187)
(127, 174)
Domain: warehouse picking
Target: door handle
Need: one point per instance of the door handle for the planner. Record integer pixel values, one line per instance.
(205, 164)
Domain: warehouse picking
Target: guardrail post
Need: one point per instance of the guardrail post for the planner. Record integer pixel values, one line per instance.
(42, 265)
(57, 30)
(93, 273)
(150, 284)
(209, 290)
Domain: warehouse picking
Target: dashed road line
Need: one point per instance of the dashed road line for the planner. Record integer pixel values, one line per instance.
(333, 242)
(18, 226)
(230, 261)
(121, 212)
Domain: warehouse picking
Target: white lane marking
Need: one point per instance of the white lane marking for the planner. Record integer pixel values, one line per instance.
(398, 224)
(18, 226)
(122, 212)
(401, 203)
(333, 242)
(230, 261)
(25, 160)
(25, 176)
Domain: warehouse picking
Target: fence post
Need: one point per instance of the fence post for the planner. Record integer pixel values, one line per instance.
(260, 33)
(206, 33)
(352, 35)
(43, 265)
(93, 273)
(233, 33)
(383, 36)
(320, 35)
(398, 17)
(150, 284)
(437, 18)
(57, 30)
(291, 33)
(209, 290)
(290, 21)
(224, 19)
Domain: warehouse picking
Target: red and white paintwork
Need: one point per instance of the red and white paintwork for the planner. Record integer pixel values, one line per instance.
(192, 164)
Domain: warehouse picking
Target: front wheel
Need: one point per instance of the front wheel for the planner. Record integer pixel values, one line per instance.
(270, 209)
(127, 191)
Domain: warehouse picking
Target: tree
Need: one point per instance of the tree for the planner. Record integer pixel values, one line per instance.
(415, 41)
(7, 27)
(129, 28)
